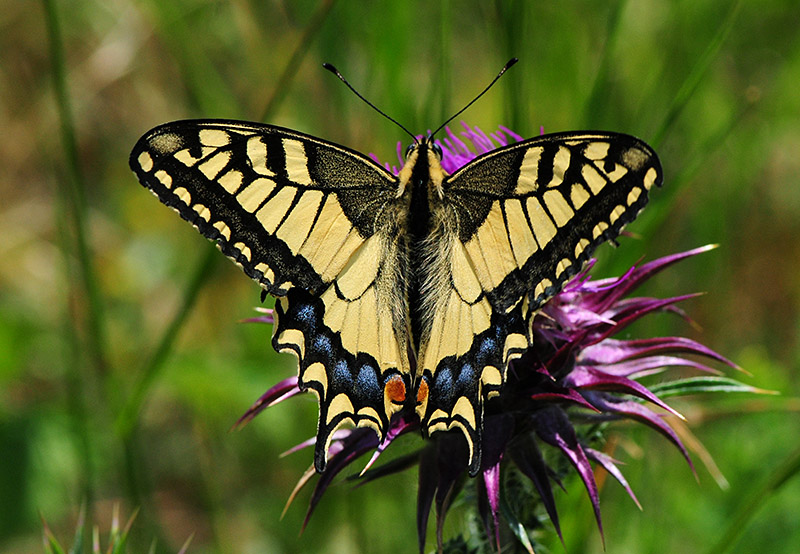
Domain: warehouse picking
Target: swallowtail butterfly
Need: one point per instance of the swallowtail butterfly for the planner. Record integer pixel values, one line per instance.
(399, 292)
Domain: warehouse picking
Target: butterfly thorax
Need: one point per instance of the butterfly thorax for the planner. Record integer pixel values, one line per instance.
(421, 178)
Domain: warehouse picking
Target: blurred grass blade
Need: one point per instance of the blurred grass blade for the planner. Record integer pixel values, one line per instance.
(748, 510)
(51, 544)
(695, 76)
(300, 51)
(75, 193)
(602, 88)
(209, 92)
(71, 219)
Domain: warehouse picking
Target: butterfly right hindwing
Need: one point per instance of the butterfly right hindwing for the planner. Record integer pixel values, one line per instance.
(518, 223)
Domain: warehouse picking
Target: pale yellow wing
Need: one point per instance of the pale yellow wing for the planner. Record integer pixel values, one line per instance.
(313, 223)
(519, 222)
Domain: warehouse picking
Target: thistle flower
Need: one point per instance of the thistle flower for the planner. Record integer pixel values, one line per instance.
(574, 378)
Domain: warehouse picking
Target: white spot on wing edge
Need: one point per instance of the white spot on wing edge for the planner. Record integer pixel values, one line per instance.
(202, 211)
(183, 195)
(224, 230)
(145, 161)
(650, 178)
(616, 213)
(164, 178)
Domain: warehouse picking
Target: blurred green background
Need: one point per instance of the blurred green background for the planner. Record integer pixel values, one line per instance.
(123, 367)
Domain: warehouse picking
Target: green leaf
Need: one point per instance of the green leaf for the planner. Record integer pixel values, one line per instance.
(700, 385)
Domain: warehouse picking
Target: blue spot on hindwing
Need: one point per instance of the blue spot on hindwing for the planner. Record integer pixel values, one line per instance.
(443, 385)
(322, 343)
(306, 314)
(367, 386)
(342, 378)
(466, 378)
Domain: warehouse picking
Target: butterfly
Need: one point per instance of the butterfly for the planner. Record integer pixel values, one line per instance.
(399, 293)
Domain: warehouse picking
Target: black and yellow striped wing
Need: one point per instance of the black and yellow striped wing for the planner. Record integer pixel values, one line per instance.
(313, 223)
(519, 222)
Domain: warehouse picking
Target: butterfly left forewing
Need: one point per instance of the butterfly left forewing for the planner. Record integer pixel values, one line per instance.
(519, 222)
(314, 223)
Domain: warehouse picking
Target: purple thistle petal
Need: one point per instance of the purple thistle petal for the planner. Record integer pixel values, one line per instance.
(358, 441)
(512, 134)
(613, 350)
(281, 391)
(555, 429)
(609, 464)
(641, 306)
(498, 431)
(651, 305)
(644, 272)
(564, 395)
(654, 364)
(634, 410)
(393, 466)
(300, 446)
(528, 459)
(491, 486)
(336, 443)
(395, 430)
(592, 378)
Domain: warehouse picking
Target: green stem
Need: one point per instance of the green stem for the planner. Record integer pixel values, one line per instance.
(75, 195)
(71, 221)
(695, 76)
(300, 51)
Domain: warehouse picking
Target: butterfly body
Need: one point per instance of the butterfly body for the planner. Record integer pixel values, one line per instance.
(407, 293)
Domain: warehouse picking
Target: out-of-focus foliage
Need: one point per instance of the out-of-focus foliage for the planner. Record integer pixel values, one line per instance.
(97, 406)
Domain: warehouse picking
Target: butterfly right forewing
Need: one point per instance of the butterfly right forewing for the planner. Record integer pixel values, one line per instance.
(521, 221)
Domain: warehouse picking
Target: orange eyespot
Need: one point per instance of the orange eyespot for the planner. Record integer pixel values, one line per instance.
(396, 389)
(422, 392)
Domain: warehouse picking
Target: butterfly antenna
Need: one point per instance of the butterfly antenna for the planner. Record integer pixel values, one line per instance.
(335, 71)
(510, 62)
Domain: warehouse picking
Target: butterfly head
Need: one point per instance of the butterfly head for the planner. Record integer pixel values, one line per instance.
(423, 167)
(427, 143)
